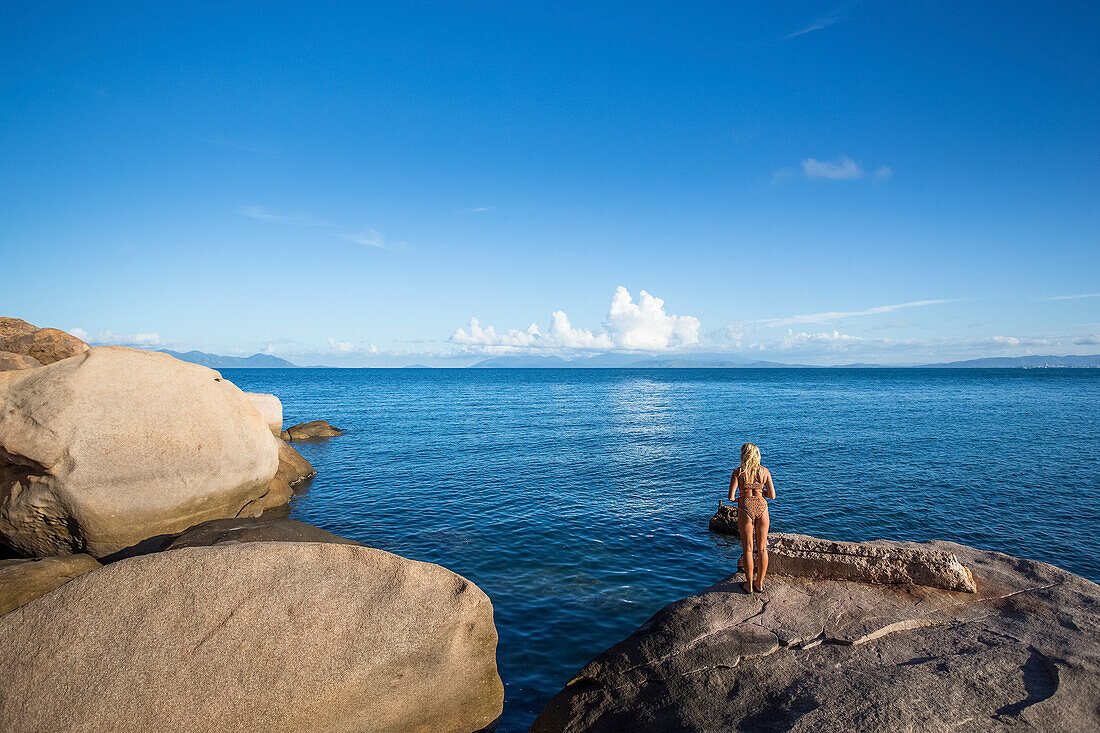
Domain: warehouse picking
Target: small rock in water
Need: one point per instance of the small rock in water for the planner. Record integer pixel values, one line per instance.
(310, 431)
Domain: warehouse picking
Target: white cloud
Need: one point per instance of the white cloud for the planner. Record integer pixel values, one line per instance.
(263, 214)
(645, 325)
(883, 174)
(123, 339)
(844, 169)
(1020, 341)
(369, 239)
(80, 333)
(1072, 297)
(829, 340)
(835, 16)
(631, 325)
(837, 315)
(347, 347)
(1087, 340)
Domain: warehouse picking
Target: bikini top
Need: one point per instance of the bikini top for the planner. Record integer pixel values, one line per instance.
(761, 473)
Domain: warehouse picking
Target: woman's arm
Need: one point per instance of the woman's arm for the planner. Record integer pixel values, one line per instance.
(733, 485)
(769, 487)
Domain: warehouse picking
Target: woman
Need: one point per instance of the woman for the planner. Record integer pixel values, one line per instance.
(752, 483)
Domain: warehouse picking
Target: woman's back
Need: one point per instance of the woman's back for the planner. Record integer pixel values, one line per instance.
(754, 481)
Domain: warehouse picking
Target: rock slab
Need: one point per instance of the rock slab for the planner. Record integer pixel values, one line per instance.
(45, 345)
(112, 446)
(10, 361)
(867, 562)
(21, 581)
(1023, 653)
(288, 637)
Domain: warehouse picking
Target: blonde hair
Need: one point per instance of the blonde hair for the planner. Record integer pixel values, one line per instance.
(750, 459)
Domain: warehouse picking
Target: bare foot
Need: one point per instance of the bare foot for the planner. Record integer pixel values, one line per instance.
(758, 589)
(746, 586)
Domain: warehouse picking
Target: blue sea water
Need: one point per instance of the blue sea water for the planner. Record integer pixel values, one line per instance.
(578, 500)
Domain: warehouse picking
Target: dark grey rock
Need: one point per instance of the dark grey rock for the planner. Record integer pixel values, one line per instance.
(254, 529)
(1023, 653)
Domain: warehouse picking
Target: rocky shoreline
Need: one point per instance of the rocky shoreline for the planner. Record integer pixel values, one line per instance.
(153, 593)
(812, 654)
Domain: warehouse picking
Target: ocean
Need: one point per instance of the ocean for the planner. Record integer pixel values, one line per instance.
(578, 500)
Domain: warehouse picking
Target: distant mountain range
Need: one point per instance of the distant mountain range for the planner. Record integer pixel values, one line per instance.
(1022, 362)
(672, 361)
(216, 361)
(726, 361)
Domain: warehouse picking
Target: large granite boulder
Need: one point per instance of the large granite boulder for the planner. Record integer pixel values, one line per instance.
(271, 407)
(46, 345)
(9, 361)
(254, 529)
(1023, 653)
(21, 581)
(291, 637)
(116, 445)
(313, 430)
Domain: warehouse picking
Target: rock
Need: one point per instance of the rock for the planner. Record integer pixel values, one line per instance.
(271, 408)
(725, 520)
(866, 562)
(310, 431)
(103, 450)
(290, 637)
(46, 345)
(21, 581)
(9, 361)
(812, 655)
(293, 470)
(254, 529)
(878, 562)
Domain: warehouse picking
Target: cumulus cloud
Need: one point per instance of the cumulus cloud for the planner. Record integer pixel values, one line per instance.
(631, 325)
(844, 169)
(883, 174)
(80, 333)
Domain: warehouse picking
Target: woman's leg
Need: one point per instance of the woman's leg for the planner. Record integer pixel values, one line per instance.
(744, 528)
(762, 545)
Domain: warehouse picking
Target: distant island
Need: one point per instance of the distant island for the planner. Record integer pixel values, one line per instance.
(216, 361)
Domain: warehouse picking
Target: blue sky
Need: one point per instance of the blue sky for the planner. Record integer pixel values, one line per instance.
(351, 183)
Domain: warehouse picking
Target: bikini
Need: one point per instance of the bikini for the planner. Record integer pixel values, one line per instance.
(752, 505)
